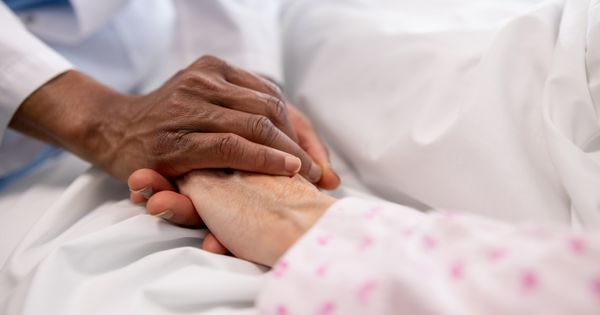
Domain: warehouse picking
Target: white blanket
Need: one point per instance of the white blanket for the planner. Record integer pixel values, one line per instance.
(483, 106)
(487, 106)
(92, 252)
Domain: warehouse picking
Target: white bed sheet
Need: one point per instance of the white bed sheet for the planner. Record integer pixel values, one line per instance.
(487, 106)
(89, 251)
(484, 106)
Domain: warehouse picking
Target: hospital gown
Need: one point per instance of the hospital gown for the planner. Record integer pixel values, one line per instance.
(367, 257)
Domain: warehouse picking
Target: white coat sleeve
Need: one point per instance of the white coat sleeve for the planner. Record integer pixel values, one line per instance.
(245, 33)
(366, 257)
(26, 63)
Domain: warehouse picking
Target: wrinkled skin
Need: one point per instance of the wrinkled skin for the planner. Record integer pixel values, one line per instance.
(255, 217)
(209, 115)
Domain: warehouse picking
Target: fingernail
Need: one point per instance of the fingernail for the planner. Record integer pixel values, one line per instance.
(146, 192)
(314, 174)
(292, 164)
(167, 214)
(336, 176)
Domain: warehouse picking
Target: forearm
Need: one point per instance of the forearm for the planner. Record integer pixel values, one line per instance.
(69, 111)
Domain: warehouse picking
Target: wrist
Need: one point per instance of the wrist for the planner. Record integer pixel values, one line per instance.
(295, 222)
(67, 111)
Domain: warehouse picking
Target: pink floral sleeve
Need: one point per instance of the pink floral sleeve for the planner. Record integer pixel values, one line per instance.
(366, 257)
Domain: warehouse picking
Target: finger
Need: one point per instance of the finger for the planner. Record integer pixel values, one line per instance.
(208, 64)
(330, 179)
(145, 182)
(254, 102)
(175, 208)
(137, 198)
(235, 75)
(228, 150)
(211, 244)
(312, 144)
(251, 81)
(260, 129)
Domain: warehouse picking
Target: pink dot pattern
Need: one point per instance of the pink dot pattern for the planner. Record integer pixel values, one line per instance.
(366, 243)
(457, 270)
(428, 242)
(365, 290)
(496, 254)
(282, 310)
(280, 269)
(529, 280)
(577, 245)
(323, 240)
(321, 270)
(596, 288)
(416, 252)
(327, 308)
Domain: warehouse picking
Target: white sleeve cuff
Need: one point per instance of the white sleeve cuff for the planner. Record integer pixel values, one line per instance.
(20, 78)
(26, 63)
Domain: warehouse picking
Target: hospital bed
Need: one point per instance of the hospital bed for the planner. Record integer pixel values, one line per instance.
(480, 106)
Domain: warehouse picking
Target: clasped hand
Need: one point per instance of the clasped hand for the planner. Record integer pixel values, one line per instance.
(253, 216)
(212, 115)
(209, 115)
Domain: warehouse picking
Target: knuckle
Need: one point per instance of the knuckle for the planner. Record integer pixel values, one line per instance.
(261, 160)
(179, 74)
(177, 97)
(262, 128)
(188, 77)
(227, 147)
(210, 61)
(184, 111)
(272, 87)
(160, 143)
(194, 82)
(278, 110)
(276, 89)
(166, 144)
(161, 150)
(177, 104)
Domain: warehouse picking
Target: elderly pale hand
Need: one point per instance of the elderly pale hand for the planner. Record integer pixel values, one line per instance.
(255, 217)
(210, 115)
